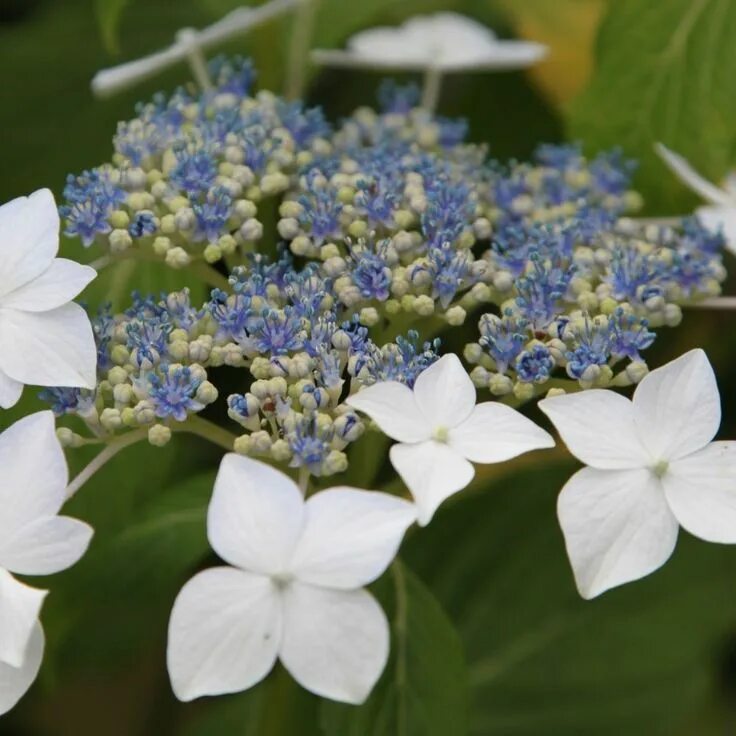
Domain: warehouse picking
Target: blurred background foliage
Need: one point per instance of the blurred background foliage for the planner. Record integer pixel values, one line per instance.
(490, 637)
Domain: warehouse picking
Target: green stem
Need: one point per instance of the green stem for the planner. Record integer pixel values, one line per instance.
(200, 269)
(303, 479)
(112, 449)
(431, 88)
(400, 631)
(194, 425)
(209, 275)
(301, 40)
(207, 430)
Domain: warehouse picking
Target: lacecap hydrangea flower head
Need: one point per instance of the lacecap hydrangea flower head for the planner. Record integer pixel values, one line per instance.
(339, 261)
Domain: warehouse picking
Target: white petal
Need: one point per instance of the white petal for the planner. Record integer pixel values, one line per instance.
(444, 392)
(717, 218)
(701, 491)
(15, 681)
(432, 471)
(335, 642)
(57, 285)
(34, 472)
(255, 515)
(45, 546)
(447, 41)
(224, 633)
(494, 432)
(677, 407)
(350, 536)
(598, 427)
(54, 348)
(687, 174)
(29, 238)
(10, 391)
(617, 526)
(20, 605)
(392, 407)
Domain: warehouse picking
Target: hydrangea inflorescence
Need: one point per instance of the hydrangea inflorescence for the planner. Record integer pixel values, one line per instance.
(389, 227)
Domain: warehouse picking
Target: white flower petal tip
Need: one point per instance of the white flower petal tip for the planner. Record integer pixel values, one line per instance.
(692, 179)
(448, 42)
(653, 468)
(15, 681)
(294, 591)
(441, 431)
(45, 339)
(433, 472)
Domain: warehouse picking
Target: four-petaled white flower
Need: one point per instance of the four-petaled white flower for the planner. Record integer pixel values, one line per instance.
(721, 212)
(441, 431)
(45, 339)
(652, 468)
(34, 540)
(444, 41)
(294, 591)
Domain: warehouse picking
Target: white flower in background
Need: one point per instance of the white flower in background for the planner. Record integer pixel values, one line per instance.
(34, 540)
(445, 41)
(721, 212)
(189, 44)
(652, 469)
(294, 591)
(441, 431)
(45, 339)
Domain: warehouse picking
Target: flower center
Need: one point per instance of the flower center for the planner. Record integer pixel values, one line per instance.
(282, 579)
(660, 468)
(441, 434)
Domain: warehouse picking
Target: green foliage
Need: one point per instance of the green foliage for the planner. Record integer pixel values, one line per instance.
(640, 660)
(109, 13)
(423, 691)
(149, 538)
(275, 707)
(664, 73)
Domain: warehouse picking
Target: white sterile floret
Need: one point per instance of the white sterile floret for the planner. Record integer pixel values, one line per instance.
(441, 431)
(445, 41)
(652, 468)
(294, 591)
(34, 540)
(720, 213)
(45, 339)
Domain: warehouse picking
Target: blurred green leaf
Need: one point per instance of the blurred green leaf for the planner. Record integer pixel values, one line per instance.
(639, 660)
(423, 691)
(664, 72)
(109, 13)
(140, 557)
(275, 707)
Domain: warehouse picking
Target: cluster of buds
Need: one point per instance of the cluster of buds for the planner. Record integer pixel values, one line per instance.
(390, 228)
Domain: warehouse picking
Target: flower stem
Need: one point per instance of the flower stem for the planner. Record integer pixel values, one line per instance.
(118, 444)
(400, 632)
(722, 303)
(194, 425)
(207, 430)
(196, 59)
(431, 88)
(303, 479)
(208, 274)
(301, 40)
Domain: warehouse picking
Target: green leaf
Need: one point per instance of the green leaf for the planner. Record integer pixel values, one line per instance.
(275, 707)
(664, 72)
(130, 576)
(641, 659)
(423, 690)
